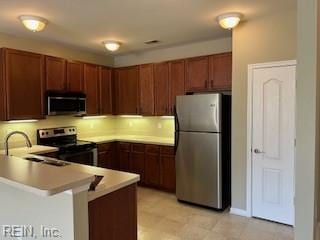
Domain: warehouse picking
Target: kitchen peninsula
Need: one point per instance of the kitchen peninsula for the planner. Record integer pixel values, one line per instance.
(43, 196)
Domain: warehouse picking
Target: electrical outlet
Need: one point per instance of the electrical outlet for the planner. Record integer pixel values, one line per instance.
(159, 125)
(130, 124)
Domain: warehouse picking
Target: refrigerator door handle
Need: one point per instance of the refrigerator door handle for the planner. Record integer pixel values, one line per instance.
(177, 129)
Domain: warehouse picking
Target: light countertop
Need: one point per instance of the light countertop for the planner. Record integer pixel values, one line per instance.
(38, 178)
(131, 138)
(35, 149)
(48, 180)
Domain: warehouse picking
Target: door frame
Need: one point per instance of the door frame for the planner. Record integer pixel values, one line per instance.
(251, 68)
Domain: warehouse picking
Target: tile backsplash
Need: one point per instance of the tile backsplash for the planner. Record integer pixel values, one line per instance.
(146, 126)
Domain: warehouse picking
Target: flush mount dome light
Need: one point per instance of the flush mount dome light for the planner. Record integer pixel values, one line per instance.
(112, 45)
(33, 23)
(229, 20)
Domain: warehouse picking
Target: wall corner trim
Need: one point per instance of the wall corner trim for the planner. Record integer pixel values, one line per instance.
(239, 212)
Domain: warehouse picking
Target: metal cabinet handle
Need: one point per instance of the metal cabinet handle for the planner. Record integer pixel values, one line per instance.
(257, 151)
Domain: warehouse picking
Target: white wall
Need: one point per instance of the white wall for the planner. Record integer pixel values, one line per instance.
(176, 52)
(53, 49)
(308, 120)
(263, 39)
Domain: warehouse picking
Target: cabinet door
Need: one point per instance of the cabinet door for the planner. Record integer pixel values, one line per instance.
(176, 81)
(126, 85)
(221, 71)
(55, 73)
(124, 156)
(2, 87)
(105, 160)
(161, 76)
(91, 87)
(138, 165)
(146, 89)
(197, 74)
(168, 169)
(24, 74)
(105, 87)
(152, 165)
(74, 76)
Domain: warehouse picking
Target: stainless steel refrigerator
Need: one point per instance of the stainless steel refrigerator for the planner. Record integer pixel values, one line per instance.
(203, 148)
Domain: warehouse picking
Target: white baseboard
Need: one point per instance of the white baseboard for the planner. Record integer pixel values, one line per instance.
(239, 212)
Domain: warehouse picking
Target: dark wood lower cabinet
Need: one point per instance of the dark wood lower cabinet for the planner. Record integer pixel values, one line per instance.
(114, 216)
(155, 164)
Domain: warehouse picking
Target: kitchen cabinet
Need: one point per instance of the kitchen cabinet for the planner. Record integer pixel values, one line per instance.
(137, 159)
(22, 85)
(197, 74)
(161, 76)
(152, 166)
(126, 90)
(75, 76)
(124, 157)
(106, 156)
(168, 168)
(114, 215)
(146, 89)
(105, 87)
(220, 71)
(91, 88)
(176, 81)
(55, 73)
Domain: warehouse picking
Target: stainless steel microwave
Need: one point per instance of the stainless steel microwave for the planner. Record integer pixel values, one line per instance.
(66, 103)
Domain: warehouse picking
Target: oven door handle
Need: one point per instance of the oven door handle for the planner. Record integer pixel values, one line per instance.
(64, 156)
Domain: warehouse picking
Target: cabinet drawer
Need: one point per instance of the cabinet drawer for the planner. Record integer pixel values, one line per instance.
(125, 147)
(167, 150)
(152, 149)
(136, 147)
(104, 147)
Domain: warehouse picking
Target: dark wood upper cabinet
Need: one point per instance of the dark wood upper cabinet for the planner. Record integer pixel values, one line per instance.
(105, 86)
(176, 81)
(24, 84)
(197, 74)
(220, 71)
(75, 76)
(146, 89)
(126, 90)
(55, 73)
(91, 87)
(161, 76)
(3, 106)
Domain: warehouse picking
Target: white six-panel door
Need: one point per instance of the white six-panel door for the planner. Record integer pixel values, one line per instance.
(273, 137)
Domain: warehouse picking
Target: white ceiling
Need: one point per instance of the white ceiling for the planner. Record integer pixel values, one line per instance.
(86, 23)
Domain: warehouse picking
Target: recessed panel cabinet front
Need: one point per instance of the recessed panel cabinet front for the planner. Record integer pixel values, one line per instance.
(176, 81)
(146, 89)
(197, 74)
(126, 90)
(105, 87)
(24, 84)
(74, 76)
(161, 71)
(91, 87)
(55, 73)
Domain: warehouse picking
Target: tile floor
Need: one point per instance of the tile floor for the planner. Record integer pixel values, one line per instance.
(161, 217)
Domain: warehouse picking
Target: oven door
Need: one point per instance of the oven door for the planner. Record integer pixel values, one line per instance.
(88, 157)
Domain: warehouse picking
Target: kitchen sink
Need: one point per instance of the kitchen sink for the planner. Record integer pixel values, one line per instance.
(33, 159)
(51, 162)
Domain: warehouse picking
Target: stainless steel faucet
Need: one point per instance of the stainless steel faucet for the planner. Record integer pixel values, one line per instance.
(6, 144)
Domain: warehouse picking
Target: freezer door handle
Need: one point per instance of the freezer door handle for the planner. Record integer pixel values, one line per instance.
(176, 133)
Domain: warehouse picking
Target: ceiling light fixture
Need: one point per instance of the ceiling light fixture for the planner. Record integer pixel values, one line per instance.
(112, 45)
(33, 23)
(229, 20)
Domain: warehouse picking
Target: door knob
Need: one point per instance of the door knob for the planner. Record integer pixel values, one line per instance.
(257, 151)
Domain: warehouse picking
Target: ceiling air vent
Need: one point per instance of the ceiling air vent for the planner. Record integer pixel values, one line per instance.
(152, 42)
